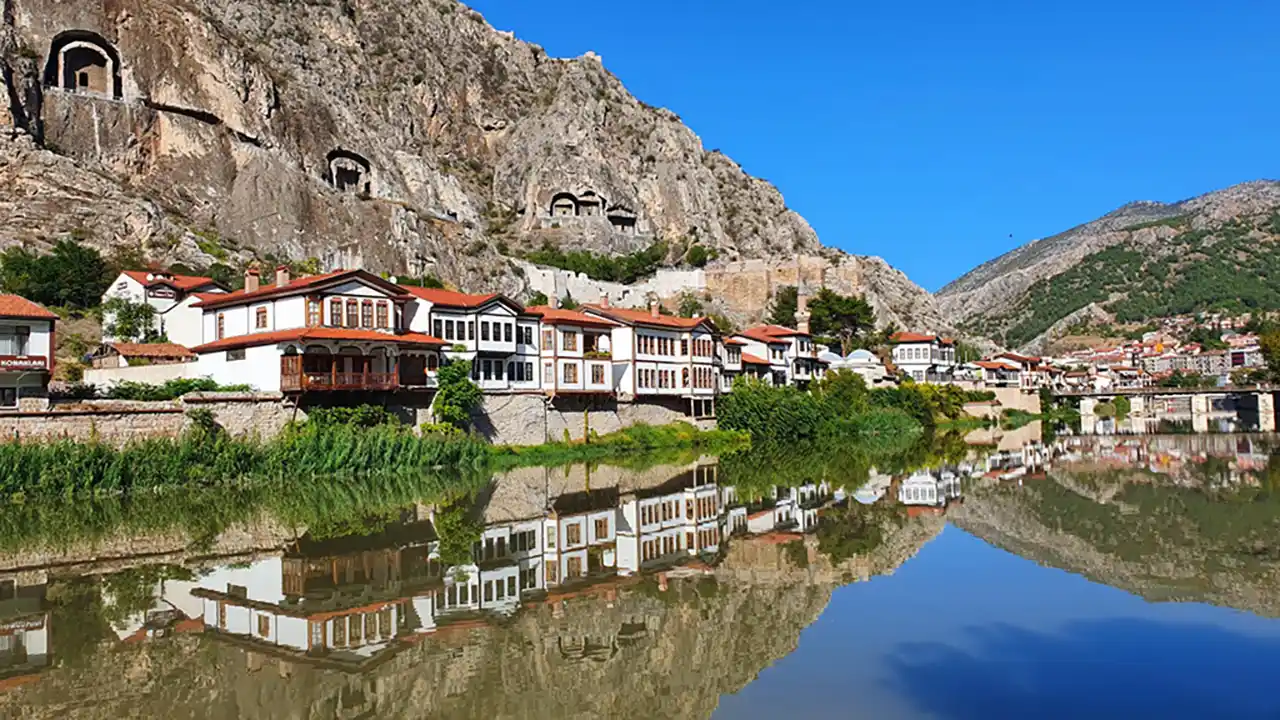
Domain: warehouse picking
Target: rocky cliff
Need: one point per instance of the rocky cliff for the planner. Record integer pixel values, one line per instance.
(403, 137)
(1014, 296)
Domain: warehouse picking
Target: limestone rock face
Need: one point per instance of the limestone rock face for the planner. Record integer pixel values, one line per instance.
(403, 137)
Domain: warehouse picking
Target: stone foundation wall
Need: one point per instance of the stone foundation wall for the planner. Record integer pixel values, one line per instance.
(117, 421)
(530, 420)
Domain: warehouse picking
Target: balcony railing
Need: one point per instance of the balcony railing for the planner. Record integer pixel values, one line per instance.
(293, 378)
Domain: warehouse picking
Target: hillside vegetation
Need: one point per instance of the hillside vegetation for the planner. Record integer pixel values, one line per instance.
(1232, 267)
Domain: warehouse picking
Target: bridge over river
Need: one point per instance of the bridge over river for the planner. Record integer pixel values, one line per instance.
(1247, 408)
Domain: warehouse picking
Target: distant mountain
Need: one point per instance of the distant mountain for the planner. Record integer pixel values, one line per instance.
(1141, 261)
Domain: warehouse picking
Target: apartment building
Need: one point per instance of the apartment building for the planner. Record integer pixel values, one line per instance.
(924, 358)
(791, 354)
(492, 332)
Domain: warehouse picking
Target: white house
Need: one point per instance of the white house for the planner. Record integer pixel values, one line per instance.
(664, 356)
(925, 358)
(576, 353)
(344, 330)
(173, 297)
(792, 355)
(25, 633)
(731, 362)
(26, 350)
(929, 489)
(682, 517)
(491, 331)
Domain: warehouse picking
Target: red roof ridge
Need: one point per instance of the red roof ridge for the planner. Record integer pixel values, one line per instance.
(182, 282)
(158, 349)
(16, 306)
(441, 296)
(753, 359)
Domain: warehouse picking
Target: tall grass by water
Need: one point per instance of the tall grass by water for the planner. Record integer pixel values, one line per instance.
(205, 458)
(638, 441)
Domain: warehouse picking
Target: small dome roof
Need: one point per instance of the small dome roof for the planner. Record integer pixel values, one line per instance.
(863, 356)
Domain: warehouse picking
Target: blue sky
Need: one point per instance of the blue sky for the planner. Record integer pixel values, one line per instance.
(939, 134)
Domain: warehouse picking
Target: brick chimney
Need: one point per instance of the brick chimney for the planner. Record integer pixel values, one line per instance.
(282, 275)
(553, 302)
(252, 277)
(655, 308)
(802, 313)
(604, 300)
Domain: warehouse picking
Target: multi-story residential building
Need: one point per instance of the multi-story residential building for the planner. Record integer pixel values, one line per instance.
(26, 350)
(731, 362)
(793, 357)
(925, 358)
(765, 356)
(929, 488)
(344, 330)
(576, 353)
(492, 332)
(664, 357)
(174, 298)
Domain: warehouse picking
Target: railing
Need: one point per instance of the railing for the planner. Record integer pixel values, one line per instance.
(295, 380)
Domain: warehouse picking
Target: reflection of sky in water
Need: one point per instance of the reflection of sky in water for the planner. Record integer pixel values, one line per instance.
(965, 630)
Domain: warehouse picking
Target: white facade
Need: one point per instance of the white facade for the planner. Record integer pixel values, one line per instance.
(924, 358)
(174, 298)
(791, 354)
(26, 350)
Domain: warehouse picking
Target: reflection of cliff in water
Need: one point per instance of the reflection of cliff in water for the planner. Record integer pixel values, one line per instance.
(663, 641)
(1187, 518)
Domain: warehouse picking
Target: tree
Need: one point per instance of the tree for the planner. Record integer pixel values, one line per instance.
(1269, 344)
(843, 392)
(689, 305)
(457, 396)
(537, 298)
(129, 321)
(848, 318)
(568, 303)
(72, 275)
(785, 304)
(723, 323)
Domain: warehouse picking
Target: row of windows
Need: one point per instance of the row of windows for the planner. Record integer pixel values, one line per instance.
(569, 373)
(703, 377)
(493, 370)
(466, 330)
(703, 347)
(655, 345)
(659, 512)
(656, 548)
(572, 569)
(355, 630)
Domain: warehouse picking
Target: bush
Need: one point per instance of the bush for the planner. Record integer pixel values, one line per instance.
(170, 390)
(457, 396)
(358, 416)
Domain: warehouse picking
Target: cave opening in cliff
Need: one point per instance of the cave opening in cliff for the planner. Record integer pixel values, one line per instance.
(83, 62)
(349, 172)
(623, 219)
(590, 204)
(564, 205)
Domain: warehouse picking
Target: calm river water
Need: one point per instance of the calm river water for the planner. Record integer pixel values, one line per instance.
(1095, 577)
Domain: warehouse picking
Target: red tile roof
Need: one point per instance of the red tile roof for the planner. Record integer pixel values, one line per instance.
(992, 365)
(779, 330)
(560, 316)
(907, 337)
(212, 300)
(749, 359)
(759, 334)
(151, 350)
(1019, 358)
(182, 282)
(15, 306)
(629, 316)
(734, 341)
(317, 333)
(453, 298)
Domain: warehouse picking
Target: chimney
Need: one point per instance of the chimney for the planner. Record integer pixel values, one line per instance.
(604, 300)
(802, 313)
(654, 308)
(282, 275)
(553, 302)
(251, 278)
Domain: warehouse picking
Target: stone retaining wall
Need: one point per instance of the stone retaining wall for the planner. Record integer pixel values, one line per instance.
(530, 419)
(117, 421)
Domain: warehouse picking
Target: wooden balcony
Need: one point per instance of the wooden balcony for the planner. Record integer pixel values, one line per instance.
(299, 376)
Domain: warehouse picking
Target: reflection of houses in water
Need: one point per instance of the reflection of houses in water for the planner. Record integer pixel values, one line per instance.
(24, 627)
(788, 509)
(681, 517)
(927, 488)
(1198, 458)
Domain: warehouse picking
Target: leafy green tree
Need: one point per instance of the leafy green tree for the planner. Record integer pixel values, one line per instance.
(723, 322)
(72, 275)
(129, 321)
(785, 304)
(568, 303)
(843, 392)
(689, 305)
(537, 298)
(457, 395)
(1269, 344)
(848, 318)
